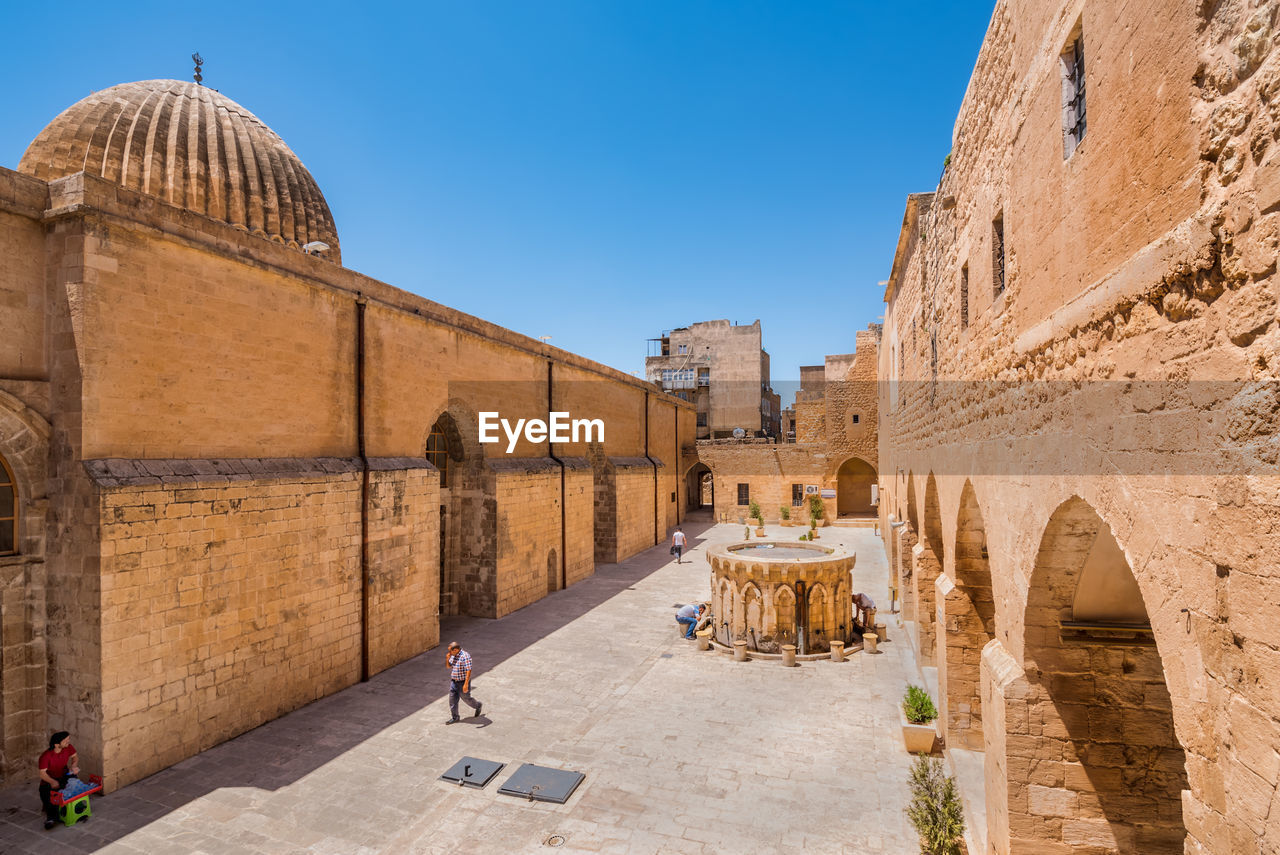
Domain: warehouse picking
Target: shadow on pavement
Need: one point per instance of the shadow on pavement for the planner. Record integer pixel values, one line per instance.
(280, 752)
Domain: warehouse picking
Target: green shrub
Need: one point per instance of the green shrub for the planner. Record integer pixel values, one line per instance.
(918, 706)
(816, 509)
(784, 512)
(935, 809)
(755, 512)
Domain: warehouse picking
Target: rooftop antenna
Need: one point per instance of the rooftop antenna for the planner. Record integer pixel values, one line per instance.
(199, 61)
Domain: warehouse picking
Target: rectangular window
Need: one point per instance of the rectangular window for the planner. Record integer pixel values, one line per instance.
(682, 348)
(797, 495)
(997, 257)
(856, 418)
(702, 419)
(744, 494)
(964, 297)
(1073, 107)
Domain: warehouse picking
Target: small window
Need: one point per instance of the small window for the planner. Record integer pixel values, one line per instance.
(702, 419)
(856, 418)
(438, 451)
(682, 348)
(797, 495)
(964, 297)
(1073, 106)
(744, 494)
(8, 511)
(997, 256)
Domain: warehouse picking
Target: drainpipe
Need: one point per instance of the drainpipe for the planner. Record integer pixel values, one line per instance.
(364, 491)
(679, 463)
(654, 464)
(564, 559)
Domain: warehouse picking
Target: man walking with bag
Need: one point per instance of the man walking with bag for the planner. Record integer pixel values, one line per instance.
(459, 662)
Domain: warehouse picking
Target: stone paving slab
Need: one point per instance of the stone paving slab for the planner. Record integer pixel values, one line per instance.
(683, 751)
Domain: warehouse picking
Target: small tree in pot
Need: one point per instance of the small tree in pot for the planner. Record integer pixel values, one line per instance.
(918, 714)
(758, 517)
(935, 809)
(784, 515)
(816, 510)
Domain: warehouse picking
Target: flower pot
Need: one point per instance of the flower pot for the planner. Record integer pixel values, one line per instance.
(785, 523)
(760, 531)
(813, 534)
(917, 737)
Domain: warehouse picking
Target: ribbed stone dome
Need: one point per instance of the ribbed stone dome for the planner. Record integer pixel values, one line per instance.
(192, 147)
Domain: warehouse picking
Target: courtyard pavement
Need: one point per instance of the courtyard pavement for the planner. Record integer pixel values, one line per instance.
(683, 751)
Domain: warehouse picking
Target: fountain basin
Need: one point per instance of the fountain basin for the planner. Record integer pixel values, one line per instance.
(774, 593)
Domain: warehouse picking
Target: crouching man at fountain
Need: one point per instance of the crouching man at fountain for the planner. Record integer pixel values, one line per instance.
(689, 616)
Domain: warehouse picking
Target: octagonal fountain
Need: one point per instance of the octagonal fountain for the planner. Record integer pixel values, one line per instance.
(775, 593)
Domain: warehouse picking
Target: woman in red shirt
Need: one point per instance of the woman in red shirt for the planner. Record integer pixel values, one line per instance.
(56, 765)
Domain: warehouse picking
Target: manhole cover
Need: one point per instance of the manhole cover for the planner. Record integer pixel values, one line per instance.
(471, 772)
(555, 840)
(538, 783)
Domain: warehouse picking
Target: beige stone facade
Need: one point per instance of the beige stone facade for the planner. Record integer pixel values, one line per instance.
(723, 369)
(219, 444)
(835, 448)
(1078, 417)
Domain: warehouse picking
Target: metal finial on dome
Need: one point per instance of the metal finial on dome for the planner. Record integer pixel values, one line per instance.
(199, 61)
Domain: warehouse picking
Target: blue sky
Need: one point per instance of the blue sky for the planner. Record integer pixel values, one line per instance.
(594, 171)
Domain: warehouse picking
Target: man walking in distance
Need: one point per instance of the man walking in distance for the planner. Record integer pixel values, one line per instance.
(677, 544)
(459, 662)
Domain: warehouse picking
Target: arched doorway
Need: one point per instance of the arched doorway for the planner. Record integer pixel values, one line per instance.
(700, 487)
(1092, 758)
(25, 592)
(927, 566)
(968, 622)
(854, 481)
(462, 516)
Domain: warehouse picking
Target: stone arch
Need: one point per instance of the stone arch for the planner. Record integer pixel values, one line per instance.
(700, 487)
(1092, 759)
(724, 603)
(966, 606)
(842, 611)
(820, 623)
(926, 567)
(24, 447)
(907, 536)
(854, 480)
(783, 626)
(467, 540)
(752, 613)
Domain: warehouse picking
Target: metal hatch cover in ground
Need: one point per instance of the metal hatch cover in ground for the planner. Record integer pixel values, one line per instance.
(542, 784)
(472, 772)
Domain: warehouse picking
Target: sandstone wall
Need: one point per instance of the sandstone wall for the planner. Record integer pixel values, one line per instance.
(227, 600)
(172, 339)
(1130, 363)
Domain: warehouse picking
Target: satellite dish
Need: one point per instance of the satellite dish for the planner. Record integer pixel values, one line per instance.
(739, 433)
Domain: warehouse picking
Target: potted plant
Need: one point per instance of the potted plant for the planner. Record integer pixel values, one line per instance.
(935, 809)
(784, 516)
(817, 510)
(758, 517)
(746, 532)
(918, 713)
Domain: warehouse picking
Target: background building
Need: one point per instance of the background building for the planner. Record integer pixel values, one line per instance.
(834, 454)
(721, 368)
(1078, 428)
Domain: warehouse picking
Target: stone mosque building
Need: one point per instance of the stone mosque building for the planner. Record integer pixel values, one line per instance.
(237, 476)
(1080, 427)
